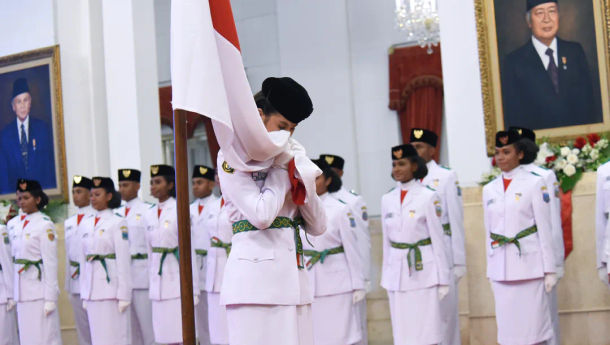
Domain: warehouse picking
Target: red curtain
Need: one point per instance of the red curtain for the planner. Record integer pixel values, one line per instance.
(167, 118)
(416, 89)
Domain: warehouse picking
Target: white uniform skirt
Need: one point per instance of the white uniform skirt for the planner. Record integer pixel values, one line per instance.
(522, 312)
(8, 326)
(167, 321)
(202, 327)
(416, 316)
(34, 327)
(335, 320)
(217, 318)
(253, 324)
(107, 325)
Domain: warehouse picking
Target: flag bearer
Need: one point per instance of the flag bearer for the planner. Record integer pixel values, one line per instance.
(134, 211)
(81, 187)
(416, 267)
(520, 257)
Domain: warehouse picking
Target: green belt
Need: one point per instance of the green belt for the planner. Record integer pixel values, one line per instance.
(77, 272)
(503, 240)
(29, 263)
(447, 229)
(201, 252)
(139, 256)
(216, 242)
(102, 259)
(413, 248)
(278, 223)
(321, 256)
(164, 251)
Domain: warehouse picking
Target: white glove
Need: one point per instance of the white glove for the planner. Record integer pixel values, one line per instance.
(443, 291)
(550, 280)
(560, 271)
(49, 307)
(358, 296)
(123, 305)
(85, 304)
(195, 299)
(459, 272)
(10, 304)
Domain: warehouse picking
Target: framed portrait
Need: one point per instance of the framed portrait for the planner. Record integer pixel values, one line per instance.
(544, 65)
(31, 122)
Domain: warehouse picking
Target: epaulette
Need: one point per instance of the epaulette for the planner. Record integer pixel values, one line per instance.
(535, 173)
(341, 201)
(430, 188)
(118, 214)
(151, 205)
(391, 189)
(46, 218)
(353, 192)
(445, 167)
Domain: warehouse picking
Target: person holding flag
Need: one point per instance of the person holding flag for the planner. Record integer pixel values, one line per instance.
(265, 287)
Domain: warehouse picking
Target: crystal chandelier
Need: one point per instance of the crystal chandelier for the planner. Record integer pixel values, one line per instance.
(419, 18)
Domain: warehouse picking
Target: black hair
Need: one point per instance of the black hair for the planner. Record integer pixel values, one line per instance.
(263, 103)
(422, 169)
(170, 179)
(335, 180)
(529, 149)
(44, 199)
(115, 201)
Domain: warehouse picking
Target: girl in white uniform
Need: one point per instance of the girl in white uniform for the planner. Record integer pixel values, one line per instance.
(416, 268)
(335, 268)
(164, 270)
(520, 258)
(105, 280)
(8, 322)
(34, 248)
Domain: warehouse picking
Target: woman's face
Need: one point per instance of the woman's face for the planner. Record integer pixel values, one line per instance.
(403, 170)
(277, 122)
(322, 183)
(100, 198)
(160, 188)
(27, 202)
(507, 157)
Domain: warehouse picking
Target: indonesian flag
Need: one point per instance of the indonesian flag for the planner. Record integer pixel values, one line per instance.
(208, 78)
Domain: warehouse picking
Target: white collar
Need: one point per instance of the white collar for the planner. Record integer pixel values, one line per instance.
(132, 202)
(541, 49)
(509, 175)
(408, 185)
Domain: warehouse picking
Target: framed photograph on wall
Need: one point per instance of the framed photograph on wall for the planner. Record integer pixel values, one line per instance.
(544, 65)
(31, 122)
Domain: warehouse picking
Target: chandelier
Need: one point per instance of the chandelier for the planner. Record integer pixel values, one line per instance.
(419, 18)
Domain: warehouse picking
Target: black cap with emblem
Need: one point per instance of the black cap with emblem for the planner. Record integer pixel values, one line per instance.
(203, 171)
(333, 161)
(288, 97)
(24, 185)
(524, 132)
(129, 175)
(424, 136)
(403, 151)
(504, 138)
(81, 181)
(162, 170)
(533, 3)
(103, 182)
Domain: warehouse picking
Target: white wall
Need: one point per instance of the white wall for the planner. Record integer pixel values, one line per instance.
(26, 25)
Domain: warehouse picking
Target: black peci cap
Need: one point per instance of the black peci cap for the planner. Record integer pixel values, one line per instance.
(129, 175)
(403, 151)
(81, 181)
(162, 170)
(24, 185)
(333, 161)
(533, 3)
(203, 171)
(288, 97)
(424, 136)
(504, 138)
(524, 133)
(103, 182)
(20, 86)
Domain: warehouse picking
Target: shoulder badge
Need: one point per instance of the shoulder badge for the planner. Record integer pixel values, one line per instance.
(437, 206)
(545, 194)
(365, 215)
(226, 168)
(6, 239)
(459, 189)
(124, 233)
(51, 235)
(352, 221)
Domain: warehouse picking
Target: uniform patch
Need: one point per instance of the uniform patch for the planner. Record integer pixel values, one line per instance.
(166, 224)
(227, 168)
(436, 182)
(556, 189)
(138, 217)
(352, 221)
(50, 235)
(6, 239)
(365, 215)
(438, 208)
(518, 196)
(546, 197)
(411, 213)
(124, 233)
(459, 189)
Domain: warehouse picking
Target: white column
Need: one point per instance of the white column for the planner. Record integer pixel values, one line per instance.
(134, 136)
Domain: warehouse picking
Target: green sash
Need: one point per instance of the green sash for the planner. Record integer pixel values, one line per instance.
(413, 249)
(27, 264)
(164, 251)
(102, 259)
(215, 242)
(447, 229)
(77, 272)
(321, 256)
(499, 240)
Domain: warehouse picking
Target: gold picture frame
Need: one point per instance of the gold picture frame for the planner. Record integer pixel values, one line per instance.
(491, 88)
(41, 71)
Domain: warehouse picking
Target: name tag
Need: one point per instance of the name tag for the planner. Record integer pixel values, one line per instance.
(490, 201)
(388, 215)
(259, 176)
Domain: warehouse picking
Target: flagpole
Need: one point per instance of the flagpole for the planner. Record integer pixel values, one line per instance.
(184, 228)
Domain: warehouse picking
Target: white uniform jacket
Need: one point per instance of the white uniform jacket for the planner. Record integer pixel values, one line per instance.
(109, 236)
(444, 181)
(552, 186)
(217, 257)
(74, 249)
(602, 210)
(525, 203)
(6, 267)
(262, 267)
(204, 214)
(162, 232)
(361, 216)
(341, 272)
(136, 225)
(415, 219)
(35, 239)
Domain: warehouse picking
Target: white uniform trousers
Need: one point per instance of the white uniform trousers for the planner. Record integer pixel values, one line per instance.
(336, 320)
(8, 326)
(167, 320)
(364, 325)
(450, 314)
(141, 318)
(416, 316)
(555, 340)
(81, 320)
(201, 319)
(254, 324)
(217, 318)
(108, 326)
(34, 327)
(522, 312)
